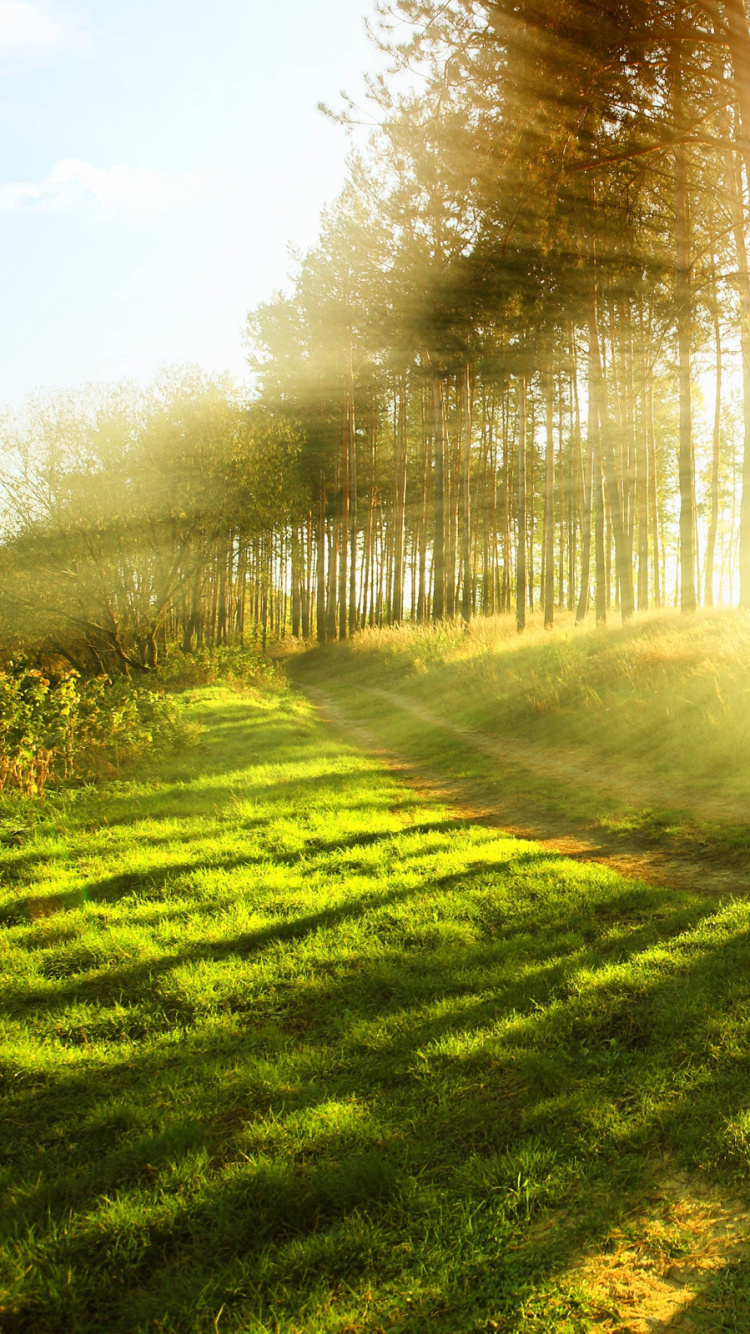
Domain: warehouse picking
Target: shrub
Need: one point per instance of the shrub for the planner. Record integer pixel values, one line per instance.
(229, 665)
(119, 720)
(37, 728)
(56, 729)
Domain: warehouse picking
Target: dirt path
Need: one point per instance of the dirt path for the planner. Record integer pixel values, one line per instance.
(652, 1275)
(575, 767)
(658, 866)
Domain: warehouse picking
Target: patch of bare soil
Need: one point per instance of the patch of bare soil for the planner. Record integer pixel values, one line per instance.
(655, 865)
(650, 1277)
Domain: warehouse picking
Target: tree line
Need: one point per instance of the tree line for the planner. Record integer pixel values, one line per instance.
(493, 349)
(483, 391)
(134, 519)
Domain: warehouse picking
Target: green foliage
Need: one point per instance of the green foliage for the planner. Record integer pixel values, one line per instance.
(119, 720)
(230, 665)
(52, 730)
(113, 501)
(37, 728)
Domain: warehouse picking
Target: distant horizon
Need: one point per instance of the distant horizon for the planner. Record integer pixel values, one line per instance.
(137, 233)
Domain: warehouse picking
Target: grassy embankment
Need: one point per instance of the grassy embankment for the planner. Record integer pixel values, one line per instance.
(288, 1047)
(643, 730)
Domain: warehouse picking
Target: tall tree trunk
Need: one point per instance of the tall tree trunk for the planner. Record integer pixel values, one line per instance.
(587, 483)
(683, 298)
(438, 497)
(320, 603)
(549, 506)
(505, 600)
(743, 282)
(531, 492)
(306, 542)
(352, 450)
(653, 482)
(343, 543)
(562, 498)
(609, 464)
(333, 590)
(713, 525)
(423, 595)
(466, 498)
(601, 563)
(399, 504)
(296, 583)
(575, 481)
(452, 482)
(642, 474)
(521, 559)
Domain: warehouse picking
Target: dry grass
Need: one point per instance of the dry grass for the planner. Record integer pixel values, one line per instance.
(658, 1269)
(665, 695)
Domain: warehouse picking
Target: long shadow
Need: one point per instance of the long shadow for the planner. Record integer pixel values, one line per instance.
(270, 1206)
(111, 889)
(169, 803)
(470, 1057)
(309, 790)
(152, 882)
(416, 1031)
(133, 980)
(281, 745)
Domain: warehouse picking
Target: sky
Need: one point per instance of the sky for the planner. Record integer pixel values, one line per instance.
(157, 160)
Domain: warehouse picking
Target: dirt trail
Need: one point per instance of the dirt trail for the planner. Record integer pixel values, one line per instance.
(652, 1275)
(575, 767)
(658, 866)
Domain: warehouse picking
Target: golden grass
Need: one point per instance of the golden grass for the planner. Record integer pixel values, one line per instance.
(666, 694)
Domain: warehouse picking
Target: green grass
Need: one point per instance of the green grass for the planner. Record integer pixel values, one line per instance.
(660, 707)
(287, 1047)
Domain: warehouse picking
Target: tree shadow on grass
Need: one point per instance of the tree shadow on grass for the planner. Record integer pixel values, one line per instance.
(133, 980)
(151, 883)
(539, 1067)
(295, 792)
(118, 804)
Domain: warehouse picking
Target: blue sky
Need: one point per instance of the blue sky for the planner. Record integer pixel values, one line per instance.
(156, 161)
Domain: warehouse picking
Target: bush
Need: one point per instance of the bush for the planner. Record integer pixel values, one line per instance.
(207, 666)
(57, 729)
(119, 720)
(37, 728)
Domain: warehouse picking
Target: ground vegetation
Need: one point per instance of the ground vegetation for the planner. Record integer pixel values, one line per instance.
(290, 1044)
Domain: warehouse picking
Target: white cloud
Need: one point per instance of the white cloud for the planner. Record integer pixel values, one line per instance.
(140, 193)
(32, 31)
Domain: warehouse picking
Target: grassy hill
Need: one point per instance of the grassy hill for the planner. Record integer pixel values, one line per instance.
(648, 724)
(287, 1045)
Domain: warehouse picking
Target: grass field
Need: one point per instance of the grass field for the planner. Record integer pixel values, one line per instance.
(651, 721)
(287, 1046)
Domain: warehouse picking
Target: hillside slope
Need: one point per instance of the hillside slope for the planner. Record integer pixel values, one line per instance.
(644, 728)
